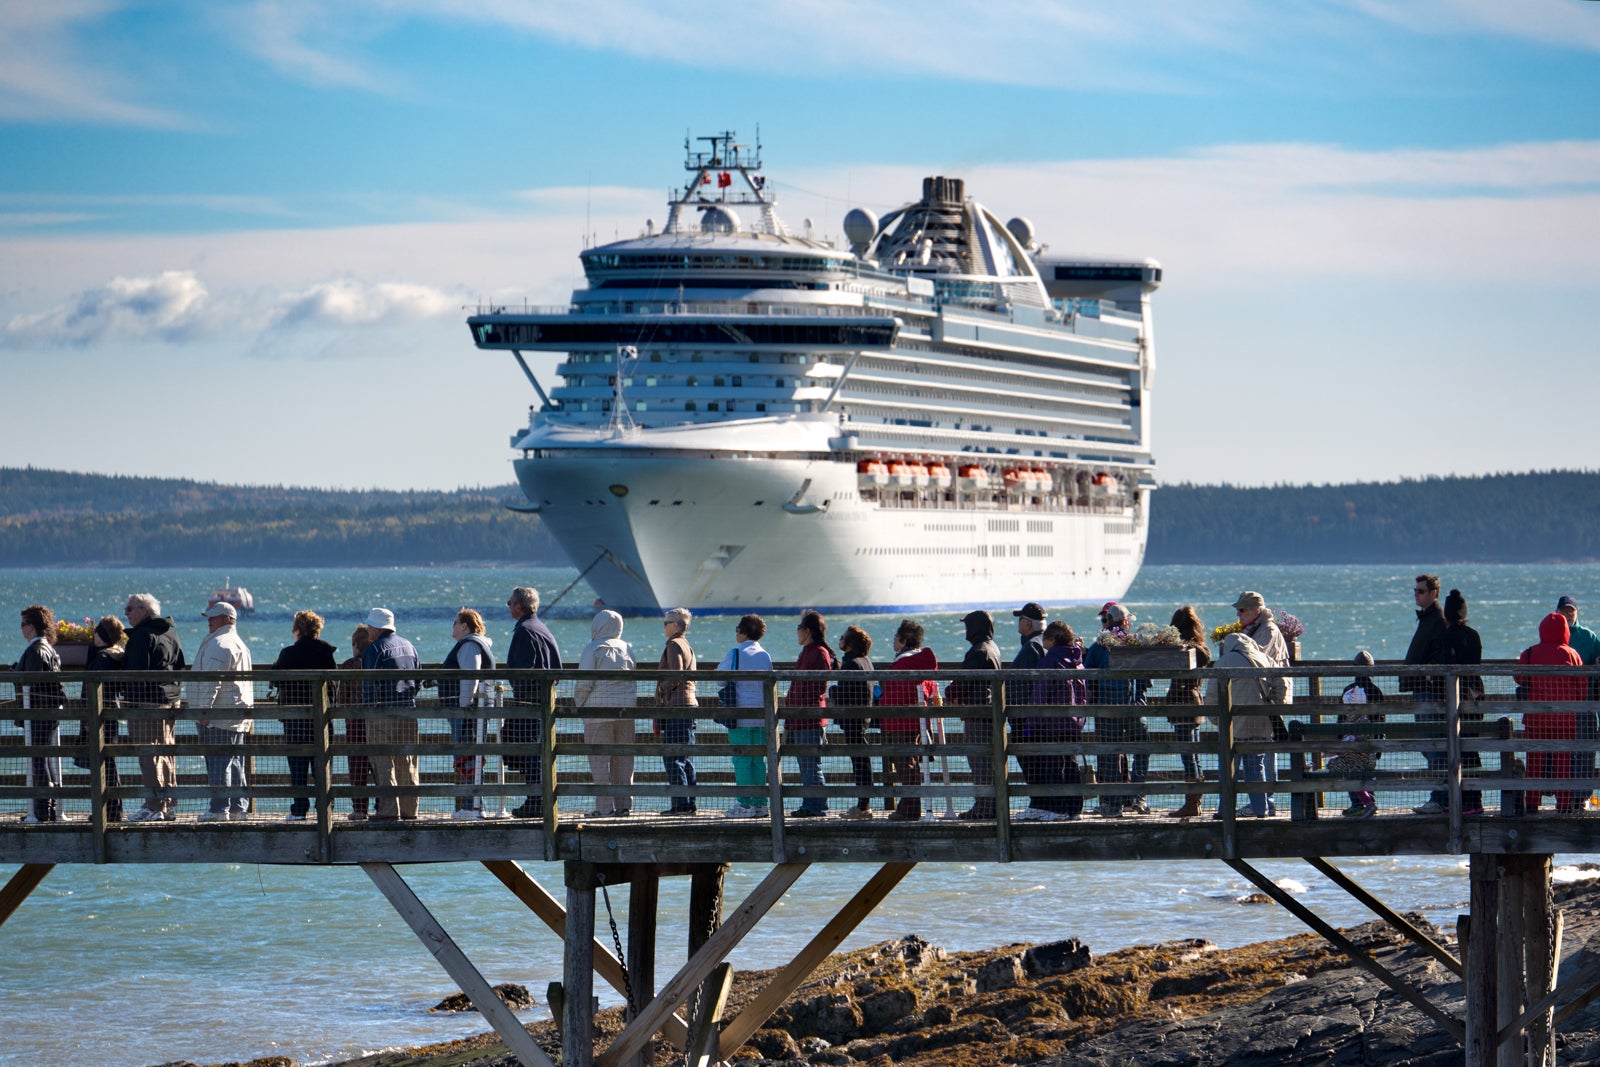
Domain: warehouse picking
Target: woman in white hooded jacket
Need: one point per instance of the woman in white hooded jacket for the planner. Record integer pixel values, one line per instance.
(1239, 651)
(607, 651)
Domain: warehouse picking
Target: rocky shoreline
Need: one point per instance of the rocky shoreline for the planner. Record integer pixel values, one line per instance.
(912, 1004)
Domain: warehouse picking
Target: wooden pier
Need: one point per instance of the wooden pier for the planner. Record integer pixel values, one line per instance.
(1508, 945)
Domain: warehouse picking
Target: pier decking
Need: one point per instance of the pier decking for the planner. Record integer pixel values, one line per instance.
(1509, 843)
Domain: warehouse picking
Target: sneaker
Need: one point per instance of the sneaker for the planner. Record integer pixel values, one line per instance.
(356, 816)
(1139, 807)
(856, 814)
(742, 811)
(682, 811)
(144, 815)
(213, 816)
(295, 817)
(31, 819)
(762, 812)
(1372, 809)
(1431, 807)
(530, 809)
(467, 813)
(808, 813)
(1029, 815)
(1354, 811)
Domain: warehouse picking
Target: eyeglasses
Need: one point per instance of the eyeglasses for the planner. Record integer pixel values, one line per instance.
(1420, 592)
(1240, 611)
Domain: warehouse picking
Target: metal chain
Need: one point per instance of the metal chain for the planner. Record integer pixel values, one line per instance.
(616, 939)
(698, 995)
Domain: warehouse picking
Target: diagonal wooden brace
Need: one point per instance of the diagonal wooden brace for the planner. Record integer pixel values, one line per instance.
(1387, 914)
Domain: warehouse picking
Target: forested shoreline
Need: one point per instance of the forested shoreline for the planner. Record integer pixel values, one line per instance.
(50, 518)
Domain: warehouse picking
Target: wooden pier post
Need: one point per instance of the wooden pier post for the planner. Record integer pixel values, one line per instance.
(705, 918)
(1480, 950)
(577, 1024)
(644, 890)
(1538, 930)
(94, 712)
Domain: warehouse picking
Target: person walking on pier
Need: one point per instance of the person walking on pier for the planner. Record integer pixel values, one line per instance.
(855, 649)
(904, 769)
(750, 725)
(677, 657)
(1552, 651)
(1427, 690)
(473, 651)
(308, 653)
(815, 655)
(224, 708)
(977, 725)
(358, 767)
(1586, 643)
(110, 643)
(607, 651)
(1463, 645)
(43, 702)
(391, 652)
(1185, 692)
(1115, 768)
(1063, 651)
(153, 645)
(533, 647)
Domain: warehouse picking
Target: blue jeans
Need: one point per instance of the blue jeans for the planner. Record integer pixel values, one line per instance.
(750, 770)
(810, 766)
(1258, 767)
(46, 769)
(225, 771)
(680, 769)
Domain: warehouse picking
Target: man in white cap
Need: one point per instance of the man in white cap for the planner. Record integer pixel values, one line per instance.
(391, 652)
(224, 710)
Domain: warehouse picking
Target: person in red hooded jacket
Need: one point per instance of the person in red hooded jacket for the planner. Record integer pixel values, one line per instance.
(1552, 651)
(906, 770)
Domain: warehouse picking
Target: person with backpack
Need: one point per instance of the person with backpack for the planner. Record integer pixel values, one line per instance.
(815, 655)
(749, 729)
(473, 651)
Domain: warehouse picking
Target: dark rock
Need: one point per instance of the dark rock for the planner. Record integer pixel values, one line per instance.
(832, 1056)
(1059, 957)
(938, 1015)
(1013, 1012)
(981, 1032)
(515, 996)
(833, 1015)
(883, 1009)
(912, 952)
(1003, 973)
(774, 1045)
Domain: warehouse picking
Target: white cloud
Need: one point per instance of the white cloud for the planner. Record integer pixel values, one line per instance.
(1560, 23)
(169, 306)
(282, 34)
(352, 303)
(48, 75)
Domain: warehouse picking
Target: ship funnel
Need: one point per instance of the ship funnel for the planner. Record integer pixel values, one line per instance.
(944, 190)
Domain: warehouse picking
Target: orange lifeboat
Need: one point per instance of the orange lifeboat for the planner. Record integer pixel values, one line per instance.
(1016, 479)
(872, 473)
(1106, 484)
(939, 475)
(919, 473)
(900, 472)
(1043, 480)
(972, 476)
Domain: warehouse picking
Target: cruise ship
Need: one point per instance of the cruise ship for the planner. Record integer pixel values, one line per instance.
(933, 413)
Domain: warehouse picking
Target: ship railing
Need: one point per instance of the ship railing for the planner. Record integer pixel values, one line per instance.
(1462, 743)
(740, 308)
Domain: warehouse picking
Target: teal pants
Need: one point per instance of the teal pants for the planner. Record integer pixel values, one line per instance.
(750, 770)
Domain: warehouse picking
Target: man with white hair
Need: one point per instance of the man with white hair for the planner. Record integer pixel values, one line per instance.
(676, 656)
(391, 652)
(153, 645)
(533, 647)
(226, 716)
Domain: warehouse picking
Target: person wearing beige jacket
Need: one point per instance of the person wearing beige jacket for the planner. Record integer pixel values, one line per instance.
(678, 655)
(223, 711)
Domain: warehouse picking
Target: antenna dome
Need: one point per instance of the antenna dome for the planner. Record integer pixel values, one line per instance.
(860, 227)
(1022, 230)
(719, 220)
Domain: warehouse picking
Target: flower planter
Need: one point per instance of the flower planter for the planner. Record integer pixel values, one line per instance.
(74, 655)
(1151, 657)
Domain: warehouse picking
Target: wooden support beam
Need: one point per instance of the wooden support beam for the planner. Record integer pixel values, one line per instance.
(1509, 986)
(552, 914)
(1001, 771)
(643, 897)
(1480, 948)
(577, 1024)
(700, 965)
(23, 882)
(1227, 798)
(703, 1039)
(769, 700)
(1538, 932)
(94, 726)
(759, 1010)
(460, 968)
(1449, 1025)
(1387, 914)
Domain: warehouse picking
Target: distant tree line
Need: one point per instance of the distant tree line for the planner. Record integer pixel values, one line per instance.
(55, 517)
(1544, 516)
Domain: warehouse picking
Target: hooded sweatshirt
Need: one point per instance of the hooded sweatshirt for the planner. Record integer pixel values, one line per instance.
(982, 655)
(606, 651)
(1058, 692)
(1239, 651)
(1553, 651)
(910, 692)
(153, 646)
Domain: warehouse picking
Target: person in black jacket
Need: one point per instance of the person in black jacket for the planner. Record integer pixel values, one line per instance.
(110, 643)
(39, 655)
(982, 655)
(854, 648)
(1427, 691)
(308, 653)
(532, 647)
(153, 645)
(1462, 644)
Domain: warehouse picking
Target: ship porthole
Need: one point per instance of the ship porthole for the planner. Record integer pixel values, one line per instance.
(619, 490)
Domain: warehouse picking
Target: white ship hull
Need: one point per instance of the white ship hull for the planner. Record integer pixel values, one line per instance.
(714, 535)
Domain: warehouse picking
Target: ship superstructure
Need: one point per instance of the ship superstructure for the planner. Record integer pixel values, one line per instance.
(939, 416)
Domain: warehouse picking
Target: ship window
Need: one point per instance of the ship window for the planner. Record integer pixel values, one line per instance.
(639, 405)
(712, 406)
(738, 381)
(693, 381)
(689, 405)
(761, 407)
(719, 381)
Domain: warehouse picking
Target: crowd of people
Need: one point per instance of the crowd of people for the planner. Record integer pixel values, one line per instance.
(837, 692)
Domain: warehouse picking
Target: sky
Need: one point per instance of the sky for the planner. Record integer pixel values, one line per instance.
(239, 241)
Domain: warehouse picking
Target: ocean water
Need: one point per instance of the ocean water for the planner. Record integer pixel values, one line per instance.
(134, 965)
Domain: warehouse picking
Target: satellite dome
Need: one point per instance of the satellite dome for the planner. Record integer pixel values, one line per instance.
(1022, 230)
(860, 227)
(719, 219)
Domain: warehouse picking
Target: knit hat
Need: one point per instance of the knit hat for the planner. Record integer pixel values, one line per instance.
(1364, 659)
(1455, 607)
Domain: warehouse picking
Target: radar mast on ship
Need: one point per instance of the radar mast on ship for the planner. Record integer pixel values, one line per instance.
(713, 189)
